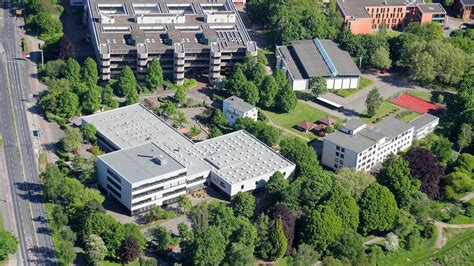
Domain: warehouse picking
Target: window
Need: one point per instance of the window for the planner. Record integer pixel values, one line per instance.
(242, 187)
(342, 156)
(343, 150)
(338, 148)
(337, 153)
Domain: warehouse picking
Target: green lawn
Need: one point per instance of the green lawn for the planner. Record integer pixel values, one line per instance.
(1, 142)
(42, 162)
(301, 112)
(425, 95)
(462, 219)
(187, 85)
(407, 115)
(364, 82)
(109, 263)
(457, 251)
(385, 109)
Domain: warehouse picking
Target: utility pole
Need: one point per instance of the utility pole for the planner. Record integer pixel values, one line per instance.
(360, 62)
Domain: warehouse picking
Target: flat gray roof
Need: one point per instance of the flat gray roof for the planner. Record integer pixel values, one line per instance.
(367, 137)
(141, 162)
(134, 125)
(391, 127)
(234, 157)
(353, 124)
(431, 8)
(423, 120)
(356, 8)
(311, 60)
(239, 104)
(165, 25)
(238, 156)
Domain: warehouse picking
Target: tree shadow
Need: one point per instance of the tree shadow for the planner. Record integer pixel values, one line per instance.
(45, 255)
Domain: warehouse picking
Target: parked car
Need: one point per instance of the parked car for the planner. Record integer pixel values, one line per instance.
(42, 219)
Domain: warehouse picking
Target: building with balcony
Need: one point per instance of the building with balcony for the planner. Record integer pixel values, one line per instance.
(189, 38)
(357, 146)
(302, 60)
(465, 9)
(151, 163)
(234, 107)
(365, 16)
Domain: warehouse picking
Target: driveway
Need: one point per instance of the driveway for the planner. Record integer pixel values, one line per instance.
(388, 85)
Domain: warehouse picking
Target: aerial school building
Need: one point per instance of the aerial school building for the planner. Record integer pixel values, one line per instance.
(188, 37)
(365, 16)
(150, 163)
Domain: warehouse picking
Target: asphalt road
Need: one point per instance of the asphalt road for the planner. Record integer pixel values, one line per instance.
(36, 246)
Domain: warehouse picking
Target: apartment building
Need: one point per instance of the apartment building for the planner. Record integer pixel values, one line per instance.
(151, 163)
(234, 107)
(189, 38)
(465, 9)
(302, 60)
(357, 146)
(365, 16)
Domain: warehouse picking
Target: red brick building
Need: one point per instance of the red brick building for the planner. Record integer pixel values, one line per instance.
(465, 9)
(365, 16)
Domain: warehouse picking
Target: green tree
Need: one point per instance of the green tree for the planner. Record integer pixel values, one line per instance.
(343, 206)
(132, 97)
(194, 131)
(349, 246)
(396, 176)
(72, 140)
(67, 104)
(278, 239)
(184, 203)
(378, 209)
(263, 245)
(236, 82)
(8, 244)
(107, 97)
(423, 69)
(314, 188)
(215, 132)
(154, 77)
(222, 216)
(286, 99)
(276, 187)
(305, 255)
(126, 82)
(250, 93)
(89, 72)
(317, 85)
(89, 132)
(65, 252)
(441, 148)
(355, 182)
(167, 109)
(321, 227)
(257, 74)
(240, 255)
(200, 218)
(243, 204)
(90, 101)
(373, 101)
(209, 247)
(299, 152)
(218, 119)
(162, 238)
(268, 92)
(95, 249)
(245, 233)
(180, 96)
(180, 119)
(72, 71)
(465, 137)
(381, 58)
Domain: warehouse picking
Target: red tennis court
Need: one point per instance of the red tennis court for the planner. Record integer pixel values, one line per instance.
(415, 104)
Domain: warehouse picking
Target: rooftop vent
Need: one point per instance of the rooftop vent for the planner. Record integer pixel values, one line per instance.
(160, 160)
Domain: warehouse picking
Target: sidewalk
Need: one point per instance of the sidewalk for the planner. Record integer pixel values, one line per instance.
(6, 207)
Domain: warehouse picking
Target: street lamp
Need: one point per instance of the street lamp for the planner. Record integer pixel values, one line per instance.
(41, 50)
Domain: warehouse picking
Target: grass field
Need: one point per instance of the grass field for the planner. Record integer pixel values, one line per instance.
(42, 162)
(425, 95)
(109, 263)
(407, 115)
(385, 109)
(457, 251)
(364, 82)
(462, 219)
(301, 112)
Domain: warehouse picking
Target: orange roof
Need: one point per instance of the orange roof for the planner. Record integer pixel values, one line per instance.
(327, 120)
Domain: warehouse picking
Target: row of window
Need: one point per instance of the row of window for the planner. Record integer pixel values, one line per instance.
(159, 182)
(115, 176)
(384, 10)
(114, 192)
(112, 182)
(174, 192)
(340, 149)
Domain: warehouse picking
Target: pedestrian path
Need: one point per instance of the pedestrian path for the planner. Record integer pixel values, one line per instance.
(440, 239)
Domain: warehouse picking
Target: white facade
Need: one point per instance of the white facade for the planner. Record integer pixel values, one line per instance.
(235, 107)
(424, 125)
(362, 148)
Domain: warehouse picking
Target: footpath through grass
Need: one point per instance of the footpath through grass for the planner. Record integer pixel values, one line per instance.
(457, 251)
(301, 112)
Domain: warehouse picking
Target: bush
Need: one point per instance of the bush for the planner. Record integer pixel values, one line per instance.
(469, 211)
(427, 231)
